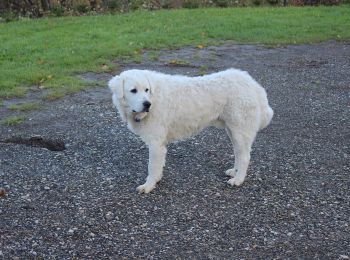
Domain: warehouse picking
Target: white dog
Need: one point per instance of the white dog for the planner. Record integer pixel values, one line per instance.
(163, 108)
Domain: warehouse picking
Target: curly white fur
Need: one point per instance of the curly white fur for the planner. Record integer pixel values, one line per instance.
(182, 106)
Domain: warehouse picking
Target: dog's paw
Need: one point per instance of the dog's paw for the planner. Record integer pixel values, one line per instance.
(231, 172)
(235, 181)
(145, 188)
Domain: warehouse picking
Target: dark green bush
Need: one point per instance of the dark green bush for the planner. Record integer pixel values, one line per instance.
(273, 2)
(81, 7)
(330, 2)
(166, 4)
(191, 4)
(57, 10)
(222, 3)
(8, 16)
(316, 2)
(11, 9)
(112, 5)
(132, 5)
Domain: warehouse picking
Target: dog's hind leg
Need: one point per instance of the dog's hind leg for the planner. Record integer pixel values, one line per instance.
(231, 172)
(242, 143)
(157, 154)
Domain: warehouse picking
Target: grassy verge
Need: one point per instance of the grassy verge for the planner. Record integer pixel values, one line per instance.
(48, 53)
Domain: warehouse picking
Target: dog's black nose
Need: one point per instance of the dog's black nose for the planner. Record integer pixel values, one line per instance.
(147, 104)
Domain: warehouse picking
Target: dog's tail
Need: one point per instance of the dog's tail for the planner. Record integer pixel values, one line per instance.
(266, 110)
(267, 115)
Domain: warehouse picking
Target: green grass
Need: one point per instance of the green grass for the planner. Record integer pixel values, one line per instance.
(12, 120)
(50, 52)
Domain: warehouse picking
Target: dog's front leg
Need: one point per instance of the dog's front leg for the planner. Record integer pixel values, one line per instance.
(156, 163)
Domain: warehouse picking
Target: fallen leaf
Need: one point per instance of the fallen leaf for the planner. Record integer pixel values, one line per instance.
(2, 192)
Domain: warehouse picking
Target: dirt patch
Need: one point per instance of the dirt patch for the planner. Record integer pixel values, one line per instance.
(37, 141)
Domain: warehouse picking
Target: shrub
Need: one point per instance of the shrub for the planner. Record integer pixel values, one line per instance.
(222, 3)
(191, 4)
(330, 2)
(8, 16)
(167, 4)
(256, 2)
(112, 5)
(57, 10)
(135, 5)
(295, 2)
(12, 9)
(314, 2)
(81, 6)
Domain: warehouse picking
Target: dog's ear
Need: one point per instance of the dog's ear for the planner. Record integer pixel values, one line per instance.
(116, 85)
(150, 86)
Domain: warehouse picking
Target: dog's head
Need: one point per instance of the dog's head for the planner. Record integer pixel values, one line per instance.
(132, 94)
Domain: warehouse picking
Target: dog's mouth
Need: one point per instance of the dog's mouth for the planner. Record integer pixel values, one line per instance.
(144, 110)
(138, 116)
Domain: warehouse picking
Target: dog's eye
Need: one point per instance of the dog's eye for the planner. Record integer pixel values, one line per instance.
(133, 90)
(146, 89)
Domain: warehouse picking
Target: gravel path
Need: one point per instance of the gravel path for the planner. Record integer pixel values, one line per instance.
(81, 202)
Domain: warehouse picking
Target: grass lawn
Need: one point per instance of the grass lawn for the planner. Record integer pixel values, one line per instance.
(48, 53)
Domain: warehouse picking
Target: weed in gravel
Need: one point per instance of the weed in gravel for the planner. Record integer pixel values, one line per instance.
(24, 106)
(213, 56)
(317, 82)
(54, 95)
(196, 56)
(177, 62)
(137, 59)
(13, 120)
(203, 70)
(154, 55)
